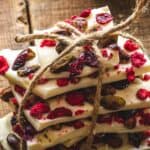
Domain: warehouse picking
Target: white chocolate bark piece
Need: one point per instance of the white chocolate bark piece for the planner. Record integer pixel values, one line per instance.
(11, 55)
(128, 94)
(5, 129)
(51, 137)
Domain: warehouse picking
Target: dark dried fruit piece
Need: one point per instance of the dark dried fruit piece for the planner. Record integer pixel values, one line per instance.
(21, 59)
(25, 71)
(63, 32)
(127, 114)
(60, 47)
(13, 141)
(103, 18)
(135, 139)
(108, 90)
(112, 102)
(130, 123)
(80, 23)
(114, 140)
(124, 57)
(122, 84)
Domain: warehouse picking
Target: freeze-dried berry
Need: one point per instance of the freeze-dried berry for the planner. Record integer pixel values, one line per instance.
(3, 65)
(130, 46)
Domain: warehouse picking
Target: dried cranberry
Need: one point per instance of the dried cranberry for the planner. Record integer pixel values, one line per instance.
(135, 139)
(130, 123)
(62, 82)
(79, 112)
(137, 60)
(103, 18)
(105, 119)
(20, 90)
(74, 80)
(48, 43)
(75, 98)
(74, 17)
(14, 101)
(43, 80)
(118, 118)
(80, 23)
(130, 74)
(17, 129)
(78, 124)
(85, 13)
(75, 67)
(30, 76)
(122, 84)
(142, 94)
(104, 52)
(59, 112)
(90, 59)
(146, 77)
(130, 45)
(145, 119)
(39, 109)
(3, 65)
(21, 59)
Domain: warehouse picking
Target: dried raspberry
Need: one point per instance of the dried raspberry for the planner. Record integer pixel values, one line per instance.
(59, 112)
(137, 59)
(43, 80)
(130, 74)
(85, 13)
(130, 45)
(142, 94)
(3, 65)
(39, 109)
(19, 90)
(48, 43)
(17, 129)
(14, 101)
(103, 18)
(62, 82)
(78, 124)
(104, 52)
(146, 77)
(79, 112)
(75, 98)
(105, 119)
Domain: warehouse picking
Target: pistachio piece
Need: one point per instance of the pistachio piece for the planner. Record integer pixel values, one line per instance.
(13, 141)
(112, 102)
(21, 59)
(25, 71)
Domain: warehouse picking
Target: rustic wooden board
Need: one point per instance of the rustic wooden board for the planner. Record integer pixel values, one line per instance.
(45, 13)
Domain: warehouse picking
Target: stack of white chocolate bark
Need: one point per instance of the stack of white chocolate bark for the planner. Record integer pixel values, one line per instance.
(57, 115)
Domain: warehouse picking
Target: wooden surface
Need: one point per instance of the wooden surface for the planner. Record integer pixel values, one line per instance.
(14, 18)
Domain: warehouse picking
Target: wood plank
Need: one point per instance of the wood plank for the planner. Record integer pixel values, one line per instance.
(9, 11)
(12, 14)
(45, 13)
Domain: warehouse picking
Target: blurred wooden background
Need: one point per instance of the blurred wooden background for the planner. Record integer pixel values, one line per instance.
(24, 16)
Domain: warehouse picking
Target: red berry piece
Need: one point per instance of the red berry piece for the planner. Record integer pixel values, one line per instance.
(104, 119)
(78, 124)
(75, 98)
(103, 18)
(39, 109)
(130, 74)
(59, 112)
(62, 82)
(130, 45)
(19, 90)
(137, 60)
(74, 17)
(17, 129)
(74, 80)
(3, 65)
(48, 43)
(142, 94)
(69, 21)
(14, 101)
(104, 52)
(43, 81)
(146, 77)
(85, 13)
(79, 112)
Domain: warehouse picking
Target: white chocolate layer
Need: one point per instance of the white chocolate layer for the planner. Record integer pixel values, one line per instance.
(128, 94)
